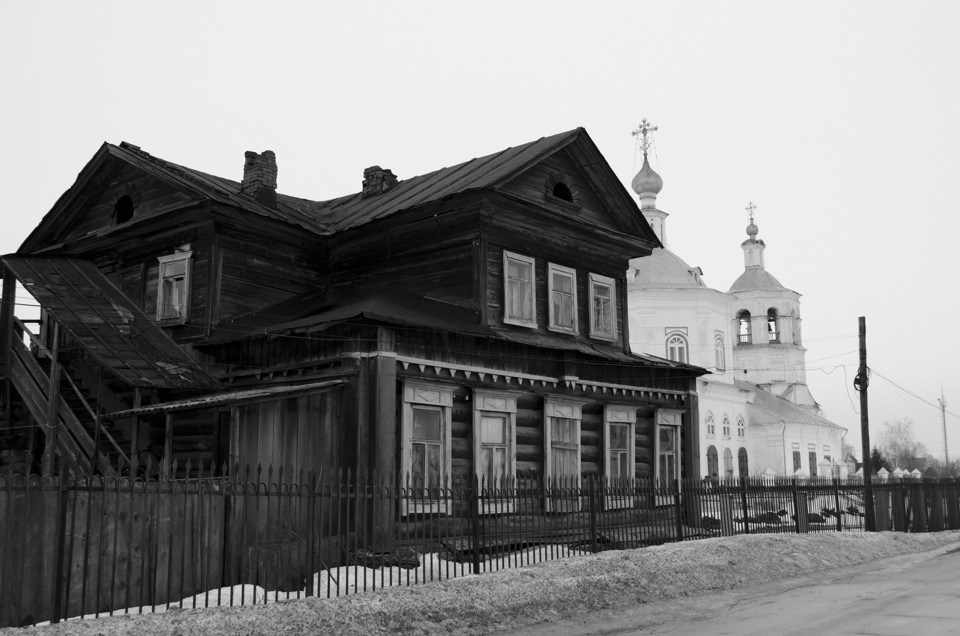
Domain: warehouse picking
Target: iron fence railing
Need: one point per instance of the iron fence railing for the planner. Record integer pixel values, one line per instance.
(91, 545)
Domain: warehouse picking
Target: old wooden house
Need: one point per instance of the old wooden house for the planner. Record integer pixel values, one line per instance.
(470, 321)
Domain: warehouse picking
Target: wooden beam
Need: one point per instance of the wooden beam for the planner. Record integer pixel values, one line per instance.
(7, 308)
(50, 426)
(135, 435)
(167, 447)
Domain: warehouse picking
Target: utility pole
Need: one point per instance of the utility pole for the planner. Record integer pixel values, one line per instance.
(943, 413)
(860, 383)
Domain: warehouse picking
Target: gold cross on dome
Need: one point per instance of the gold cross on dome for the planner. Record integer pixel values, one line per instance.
(645, 138)
(750, 208)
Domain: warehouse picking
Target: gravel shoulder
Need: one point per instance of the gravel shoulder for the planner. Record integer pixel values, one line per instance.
(511, 600)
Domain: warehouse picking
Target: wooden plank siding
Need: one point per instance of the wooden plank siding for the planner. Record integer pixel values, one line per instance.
(251, 279)
(149, 194)
(532, 185)
(297, 433)
(430, 252)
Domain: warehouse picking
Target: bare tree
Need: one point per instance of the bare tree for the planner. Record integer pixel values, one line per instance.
(944, 468)
(898, 444)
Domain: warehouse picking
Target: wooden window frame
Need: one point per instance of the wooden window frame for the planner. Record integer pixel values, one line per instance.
(673, 419)
(532, 262)
(620, 414)
(553, 268)
(561, 408)
(595, 281)
(165, 261)
(501, 403)
(419, 394)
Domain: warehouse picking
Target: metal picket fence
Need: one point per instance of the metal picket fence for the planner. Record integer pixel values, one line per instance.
(91, 546)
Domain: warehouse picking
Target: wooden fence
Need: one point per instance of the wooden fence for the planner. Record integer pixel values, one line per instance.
(98, 545)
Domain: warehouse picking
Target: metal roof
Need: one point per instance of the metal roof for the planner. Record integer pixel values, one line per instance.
(108, 324)
(343, 213)
(755, 279)
(218, 399)
(483, 172)
(777, 408)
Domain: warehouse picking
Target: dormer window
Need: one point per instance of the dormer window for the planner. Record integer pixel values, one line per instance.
(123, 210)
(173, 288)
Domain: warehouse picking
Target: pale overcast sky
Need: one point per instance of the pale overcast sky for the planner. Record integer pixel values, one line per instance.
(837, 119)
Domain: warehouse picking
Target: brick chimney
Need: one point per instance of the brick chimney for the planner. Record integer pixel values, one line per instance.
(260, 177)
(376, 181)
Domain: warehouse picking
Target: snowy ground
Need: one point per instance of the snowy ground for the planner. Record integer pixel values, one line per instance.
(512, 598)
(352, 580)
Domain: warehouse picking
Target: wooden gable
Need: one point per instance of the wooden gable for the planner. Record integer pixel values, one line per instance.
(92, 204)
(146, 195)
(575, 182)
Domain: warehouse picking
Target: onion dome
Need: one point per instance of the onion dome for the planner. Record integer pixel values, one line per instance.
(752, 229)
(647, 181)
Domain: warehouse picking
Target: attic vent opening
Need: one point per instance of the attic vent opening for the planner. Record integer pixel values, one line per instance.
(562, 191)
(123, 209)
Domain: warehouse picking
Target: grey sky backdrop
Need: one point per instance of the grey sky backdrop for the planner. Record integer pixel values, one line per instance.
(838, 120)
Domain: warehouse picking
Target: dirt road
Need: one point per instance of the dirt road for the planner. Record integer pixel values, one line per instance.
(907, 595)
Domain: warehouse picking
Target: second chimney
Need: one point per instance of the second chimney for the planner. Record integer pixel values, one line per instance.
(260, 177)
(377, 180)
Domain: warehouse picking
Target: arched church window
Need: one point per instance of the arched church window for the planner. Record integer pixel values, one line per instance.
(743, 327)
(726, 426)
(741, 427)
(721, 357)
(711, 425)
(727, 464)
(773, 335)
(742, 461)
(677, 348)
(713, 465)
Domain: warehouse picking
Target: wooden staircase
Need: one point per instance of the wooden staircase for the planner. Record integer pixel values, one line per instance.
(84, 447)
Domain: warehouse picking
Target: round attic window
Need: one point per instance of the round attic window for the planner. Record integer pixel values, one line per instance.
(562, 191)
(123, 209)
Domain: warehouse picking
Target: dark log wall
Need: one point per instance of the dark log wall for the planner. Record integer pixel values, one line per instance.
(495, 295)
(532, 185)
(149, 195)
(253, 278)
(429, 251)
(591, 439)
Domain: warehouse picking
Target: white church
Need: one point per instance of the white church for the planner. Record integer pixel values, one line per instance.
(757, 417)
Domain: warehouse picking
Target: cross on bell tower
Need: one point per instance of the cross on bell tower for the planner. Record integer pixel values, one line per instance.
(644, 136)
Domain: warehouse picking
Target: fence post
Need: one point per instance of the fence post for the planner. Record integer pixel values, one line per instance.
(61, 548)
(678, 509)
(836, 499)
(796, 506)
(743, 502)
(475, 523)
(593, 514)
(311, 555)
